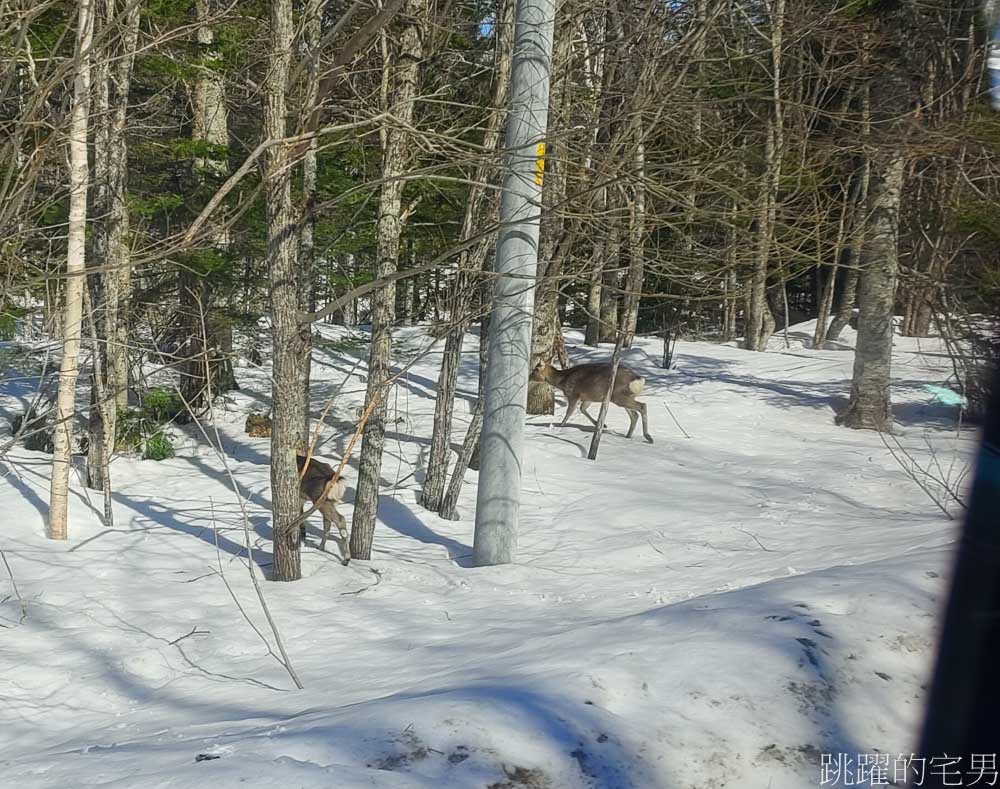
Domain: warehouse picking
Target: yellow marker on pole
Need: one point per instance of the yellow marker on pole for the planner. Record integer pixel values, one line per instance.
(539, 163)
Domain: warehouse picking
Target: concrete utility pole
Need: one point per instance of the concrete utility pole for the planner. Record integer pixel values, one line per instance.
(509, 354)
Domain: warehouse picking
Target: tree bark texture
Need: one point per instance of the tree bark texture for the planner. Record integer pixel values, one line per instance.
(312, 30)
(760, 322)
(289, 346)
(470, 445)
(205, 367)
(870, 404)
(553, 241)
(110, 288)
(403, 74)
(636, 242)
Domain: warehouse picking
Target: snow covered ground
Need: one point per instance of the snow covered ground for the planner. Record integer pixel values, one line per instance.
(712, 611)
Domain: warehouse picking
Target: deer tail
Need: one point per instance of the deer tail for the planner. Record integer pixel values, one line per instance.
(635, 387)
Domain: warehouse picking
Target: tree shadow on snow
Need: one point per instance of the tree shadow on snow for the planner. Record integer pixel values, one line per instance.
(831, 396)
(400, 518)
(10, 474)
(160, 512)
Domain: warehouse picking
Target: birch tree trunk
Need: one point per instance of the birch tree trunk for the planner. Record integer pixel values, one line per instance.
(482, 210)
(289, 346)
(403, 73)
(62, 453)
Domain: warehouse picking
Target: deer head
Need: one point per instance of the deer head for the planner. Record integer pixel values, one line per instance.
(541, 373)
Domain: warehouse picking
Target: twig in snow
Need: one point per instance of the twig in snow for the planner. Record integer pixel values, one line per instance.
(198, 577)
(194, 632)
(750, 534)
(217, 448)
(685, 432)
(221, 573)
(911, 470)
(13, 583)
(378, 580)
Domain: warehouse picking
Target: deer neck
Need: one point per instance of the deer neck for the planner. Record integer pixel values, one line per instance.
(554, 377)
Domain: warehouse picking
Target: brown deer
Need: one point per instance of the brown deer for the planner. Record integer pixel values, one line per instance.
(311, 489)
(588, 383)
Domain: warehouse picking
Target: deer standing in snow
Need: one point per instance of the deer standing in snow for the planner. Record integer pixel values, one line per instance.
(588, 383)
(311, 488)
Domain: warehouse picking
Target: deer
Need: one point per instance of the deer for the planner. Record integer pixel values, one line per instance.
(588, 383)
(312, 486)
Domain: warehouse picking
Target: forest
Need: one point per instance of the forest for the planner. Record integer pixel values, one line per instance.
(264, 233)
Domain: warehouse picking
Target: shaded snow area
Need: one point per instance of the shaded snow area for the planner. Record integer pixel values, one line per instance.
(713, 611)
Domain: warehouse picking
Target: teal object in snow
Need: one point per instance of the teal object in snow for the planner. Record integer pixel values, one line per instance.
(943, 394)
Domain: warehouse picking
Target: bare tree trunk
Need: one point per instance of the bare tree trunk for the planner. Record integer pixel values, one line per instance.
(311, 34)
(825, 298)
(289, 345)
(602, 414)
(199, 326)
(403, 74)
(845, 308)
(859, 218)
(553, 234)
(100, 405)
(636, 239)
(851, 258)
(592, 337)
(851, 255)
(729, 309)
(599, 73)
(98, 445)
(307, 285)
(610, 295)
(730, 283)
(870, 405)
(62, 453)
(110, 248)
(760, 321)
(470, 445)
(482, 210)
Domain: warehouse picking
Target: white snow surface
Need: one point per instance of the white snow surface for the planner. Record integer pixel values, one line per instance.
(706, 612)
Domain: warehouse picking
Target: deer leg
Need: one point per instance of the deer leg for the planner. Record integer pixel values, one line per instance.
(345, 543)
(570, 408)
(645, 422)
(331, 517)
(327, 523)
(302, 531)
(586, 413)
(633, 417)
